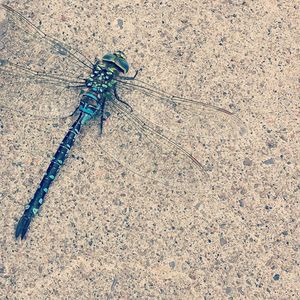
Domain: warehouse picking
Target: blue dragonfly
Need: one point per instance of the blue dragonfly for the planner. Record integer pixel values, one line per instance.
(40, 75)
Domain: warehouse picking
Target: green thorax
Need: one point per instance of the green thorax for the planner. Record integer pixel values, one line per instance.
(102, 80)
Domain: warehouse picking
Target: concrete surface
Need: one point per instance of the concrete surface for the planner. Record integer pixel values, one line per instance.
(106, 232)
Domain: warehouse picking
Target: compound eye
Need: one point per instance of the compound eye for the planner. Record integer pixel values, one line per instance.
(122, 64)
(120, 54)
(117, 60)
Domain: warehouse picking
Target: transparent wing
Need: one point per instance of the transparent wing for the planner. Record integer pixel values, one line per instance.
(171, 139)
(148, 150)
(181, 116)
(37, 72)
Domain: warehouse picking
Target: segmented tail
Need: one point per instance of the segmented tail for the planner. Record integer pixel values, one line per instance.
(87, 112)
(23, 224)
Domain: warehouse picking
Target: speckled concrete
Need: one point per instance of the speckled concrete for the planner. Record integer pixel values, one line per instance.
(107, 233)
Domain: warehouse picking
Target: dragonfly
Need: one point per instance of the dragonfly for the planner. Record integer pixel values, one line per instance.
(41, 75)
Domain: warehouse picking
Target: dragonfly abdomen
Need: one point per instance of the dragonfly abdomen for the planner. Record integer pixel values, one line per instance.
(87, 112)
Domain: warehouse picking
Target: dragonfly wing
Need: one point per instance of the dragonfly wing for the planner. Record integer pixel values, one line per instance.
(147, 150)
(187, 116)
(37, 71)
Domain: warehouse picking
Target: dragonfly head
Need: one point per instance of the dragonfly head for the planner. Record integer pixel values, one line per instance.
(118, 60)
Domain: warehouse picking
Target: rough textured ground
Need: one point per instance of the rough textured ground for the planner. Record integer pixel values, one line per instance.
(106, 233)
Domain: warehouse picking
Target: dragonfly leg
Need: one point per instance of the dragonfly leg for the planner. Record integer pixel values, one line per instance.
(103, 117)
(122, 101)
(102, 120)
(75, 112)
(131, 77)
